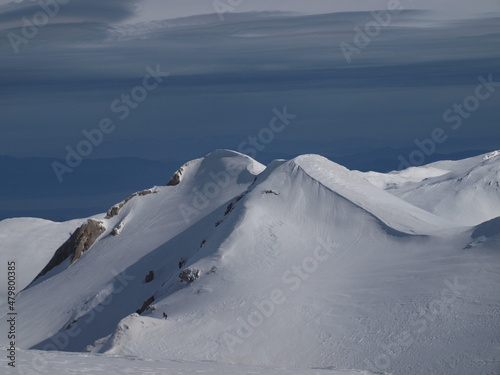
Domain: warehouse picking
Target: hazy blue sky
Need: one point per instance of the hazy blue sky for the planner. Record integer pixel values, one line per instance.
(226, 76)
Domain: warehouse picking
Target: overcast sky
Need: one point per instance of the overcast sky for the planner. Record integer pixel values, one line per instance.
(158, 9)
(226, 74)
(148, 10)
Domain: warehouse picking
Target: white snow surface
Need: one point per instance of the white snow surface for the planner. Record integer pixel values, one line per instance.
(465, 191)
(303, 264)
(30, 243)
(34, 362)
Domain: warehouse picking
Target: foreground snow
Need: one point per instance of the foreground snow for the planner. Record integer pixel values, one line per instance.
(32, 362)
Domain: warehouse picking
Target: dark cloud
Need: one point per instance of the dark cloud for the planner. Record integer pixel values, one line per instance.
(74, 11)
(226, 77)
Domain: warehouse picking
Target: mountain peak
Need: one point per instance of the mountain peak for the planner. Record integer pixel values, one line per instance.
(329, 260)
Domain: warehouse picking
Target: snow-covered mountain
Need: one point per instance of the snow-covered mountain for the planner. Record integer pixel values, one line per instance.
(465, 191)
(301, 264)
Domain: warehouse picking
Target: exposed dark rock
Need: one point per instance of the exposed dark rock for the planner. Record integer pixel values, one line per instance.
(270, 192)
(71, 323)
(189, 275)
(229, 208)
(182, 262)
(80, 241)
(149, 277)
(177, 176)
(218, 223)
(202, 243)
(212, 270)
(113, 211)
(145, 305)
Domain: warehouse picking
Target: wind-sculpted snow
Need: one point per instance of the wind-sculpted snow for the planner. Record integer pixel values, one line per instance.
(395, 212)
(303, 264)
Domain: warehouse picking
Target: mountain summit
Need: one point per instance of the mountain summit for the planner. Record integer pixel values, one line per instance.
(302, 263)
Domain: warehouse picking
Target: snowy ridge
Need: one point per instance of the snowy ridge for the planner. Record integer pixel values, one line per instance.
(391, 210)
(467, 192)
(491, 155)
(303, 264)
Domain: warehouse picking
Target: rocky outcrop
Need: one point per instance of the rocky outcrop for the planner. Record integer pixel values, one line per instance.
(189, 275)
(491, 155)
(270, 192)
(145, 305)
(118, 229)
(113, 211)
(177, 176)
(182, 262)
(149, 277)
(80, 241)
(229, 208)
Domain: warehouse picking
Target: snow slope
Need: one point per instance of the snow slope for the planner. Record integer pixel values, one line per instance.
(303, 264)
(30, 243)
(466, 191)
(374, 288)
(150, 221)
